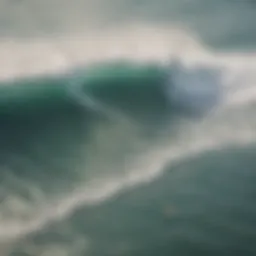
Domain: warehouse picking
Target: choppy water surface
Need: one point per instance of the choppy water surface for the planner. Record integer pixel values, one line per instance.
(127, 128)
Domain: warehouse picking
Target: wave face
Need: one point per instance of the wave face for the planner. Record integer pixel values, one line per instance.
(129, 134)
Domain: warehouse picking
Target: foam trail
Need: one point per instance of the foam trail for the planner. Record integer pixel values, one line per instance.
(197, 139)
(241, 87)
(44, 56)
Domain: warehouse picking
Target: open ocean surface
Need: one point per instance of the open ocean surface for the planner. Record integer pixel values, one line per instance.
(127, 128)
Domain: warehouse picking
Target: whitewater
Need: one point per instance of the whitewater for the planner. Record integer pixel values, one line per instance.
(72, 164)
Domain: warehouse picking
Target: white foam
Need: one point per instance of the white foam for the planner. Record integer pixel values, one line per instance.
(141, 43)
(195, 139)
(136, 42)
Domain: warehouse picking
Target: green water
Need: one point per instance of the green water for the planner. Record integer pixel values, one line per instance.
(98, 159)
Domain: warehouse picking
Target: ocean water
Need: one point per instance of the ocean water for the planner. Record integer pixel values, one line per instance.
(127, 128)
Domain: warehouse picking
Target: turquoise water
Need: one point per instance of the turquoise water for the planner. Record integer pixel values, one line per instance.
(127, 128)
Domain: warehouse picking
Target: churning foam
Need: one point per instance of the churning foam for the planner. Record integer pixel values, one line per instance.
(134, 42)
(141, 43)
